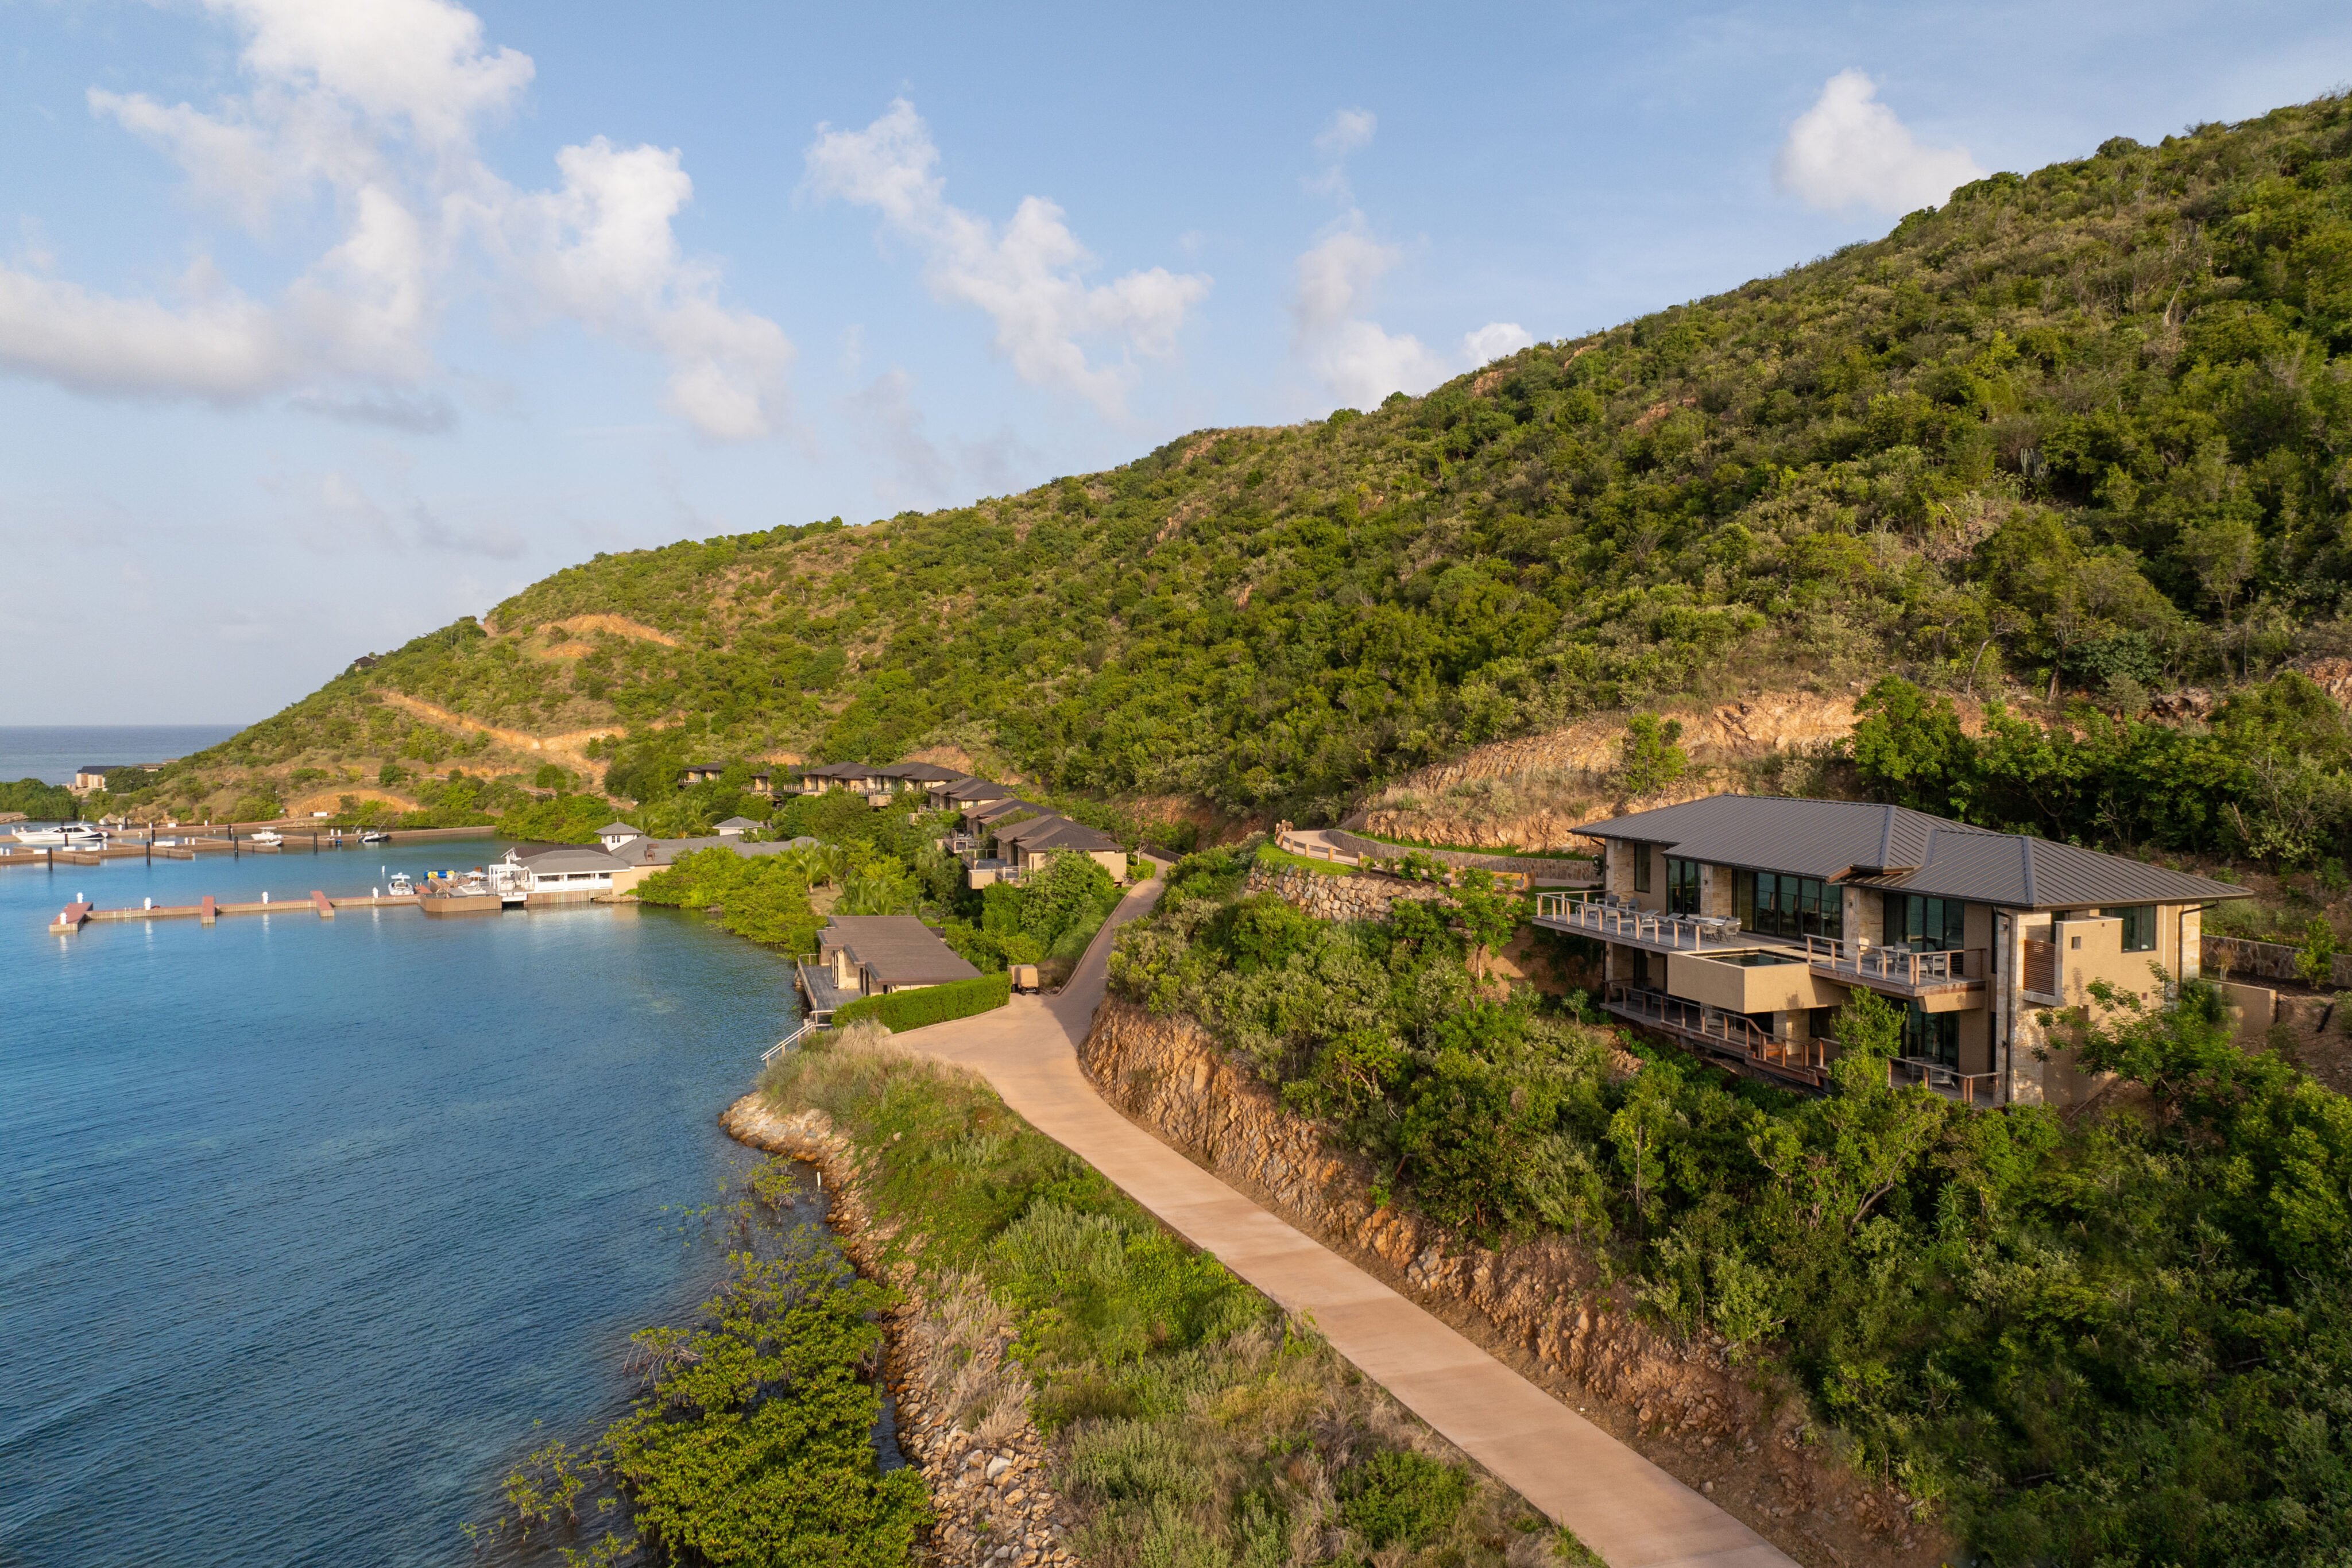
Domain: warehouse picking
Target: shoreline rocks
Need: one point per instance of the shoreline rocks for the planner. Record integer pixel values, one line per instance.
(992, 1502)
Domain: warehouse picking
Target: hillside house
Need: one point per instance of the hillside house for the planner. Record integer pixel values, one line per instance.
(1739, 924)
(1025, 846)
(923, 775)
(736, 827)
(875, 954)
(701, 773)
(613, 835)
(966, 793)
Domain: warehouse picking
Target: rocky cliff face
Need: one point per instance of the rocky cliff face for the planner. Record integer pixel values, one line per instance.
(1533, 792)
(1541, 1305)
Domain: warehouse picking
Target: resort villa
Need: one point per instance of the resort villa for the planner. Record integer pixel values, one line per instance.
(875, 954)
(1739, 924)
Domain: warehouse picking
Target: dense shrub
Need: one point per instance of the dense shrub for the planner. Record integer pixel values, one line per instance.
(899, 1011)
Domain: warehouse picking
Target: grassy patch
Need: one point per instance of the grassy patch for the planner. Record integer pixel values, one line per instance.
(1188, 1421)
(1282, 859)
(1474, 849)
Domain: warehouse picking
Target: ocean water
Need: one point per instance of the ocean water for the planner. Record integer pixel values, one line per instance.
(51, 753)
(304, 1223)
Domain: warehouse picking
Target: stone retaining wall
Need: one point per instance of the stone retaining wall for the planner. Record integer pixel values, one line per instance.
(1356, 896)
(2247, 960)
(1564, 871)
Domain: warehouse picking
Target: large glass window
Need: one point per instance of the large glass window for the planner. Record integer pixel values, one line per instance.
(1775, 903)
(1641, 868)
(2139, 927)
(1927, 924)
(1933, 1035)
(1681, 886)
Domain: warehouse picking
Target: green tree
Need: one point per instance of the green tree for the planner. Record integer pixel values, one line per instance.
(1651, 757)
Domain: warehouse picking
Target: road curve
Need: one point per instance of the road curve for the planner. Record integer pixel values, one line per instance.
(1619, 1504)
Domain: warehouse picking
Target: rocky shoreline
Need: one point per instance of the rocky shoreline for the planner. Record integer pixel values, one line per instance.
(963, 1410)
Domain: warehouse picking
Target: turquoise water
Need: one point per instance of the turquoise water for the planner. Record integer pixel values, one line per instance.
(306, 1221)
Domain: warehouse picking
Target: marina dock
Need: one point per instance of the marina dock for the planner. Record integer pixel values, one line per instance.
(74, 917)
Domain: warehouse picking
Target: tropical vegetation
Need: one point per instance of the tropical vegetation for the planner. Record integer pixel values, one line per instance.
(2118, 1337)
(2080, 431)
(1186, 1420)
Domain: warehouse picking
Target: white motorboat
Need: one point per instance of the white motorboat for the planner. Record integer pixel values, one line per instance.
(376, 836)
(401, 885)
(69, 835)
(265, 836)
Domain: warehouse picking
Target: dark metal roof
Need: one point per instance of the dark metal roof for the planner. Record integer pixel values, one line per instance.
(1056, 833)
(1892, 847)
(899, 949)
(920, 772)
(976, 789)
(986, 811)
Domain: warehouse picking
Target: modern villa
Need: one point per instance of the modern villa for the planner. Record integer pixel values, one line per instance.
(875, 954)
(1738, 924)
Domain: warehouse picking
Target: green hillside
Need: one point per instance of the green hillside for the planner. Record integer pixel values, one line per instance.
(2090, 426)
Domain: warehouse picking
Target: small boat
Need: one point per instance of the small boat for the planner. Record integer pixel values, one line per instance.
(265, 836)
(74, 835)
(376, 836)
(402, 885)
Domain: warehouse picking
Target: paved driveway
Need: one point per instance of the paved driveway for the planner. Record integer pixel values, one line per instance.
(1618, 1503)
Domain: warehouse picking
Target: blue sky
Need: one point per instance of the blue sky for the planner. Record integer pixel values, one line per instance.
(321, 324)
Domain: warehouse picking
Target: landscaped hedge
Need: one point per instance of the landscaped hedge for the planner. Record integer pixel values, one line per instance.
(902, 1010)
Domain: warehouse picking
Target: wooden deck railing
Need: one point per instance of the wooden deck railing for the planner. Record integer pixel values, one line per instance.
(1807, 1059)
(1895, 965)
(1967, 1088)
(1626, 922)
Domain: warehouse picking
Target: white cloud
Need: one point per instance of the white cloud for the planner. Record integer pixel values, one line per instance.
(379, 103)
(1849, 151)
(1358, 362)
(1029, 277)
(1494, 341)
(1347, 131)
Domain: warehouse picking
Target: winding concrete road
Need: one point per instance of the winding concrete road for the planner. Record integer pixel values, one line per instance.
(1618, 1503)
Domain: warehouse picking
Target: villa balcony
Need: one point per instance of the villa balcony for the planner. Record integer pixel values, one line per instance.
(1960, 1088)
(1724, 1034)
(1937, 981)
(1633, 926)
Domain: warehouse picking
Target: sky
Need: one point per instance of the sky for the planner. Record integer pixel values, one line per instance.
(323, 322)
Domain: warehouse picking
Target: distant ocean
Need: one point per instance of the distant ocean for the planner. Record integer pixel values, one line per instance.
(51, 753)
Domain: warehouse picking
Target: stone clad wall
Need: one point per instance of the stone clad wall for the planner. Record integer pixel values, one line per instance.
(1352, 897)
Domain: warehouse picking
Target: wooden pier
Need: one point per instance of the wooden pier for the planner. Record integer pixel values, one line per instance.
(74, 917)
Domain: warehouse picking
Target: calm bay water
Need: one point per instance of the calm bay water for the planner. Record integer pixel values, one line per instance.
(303, 1222)
(50, 753)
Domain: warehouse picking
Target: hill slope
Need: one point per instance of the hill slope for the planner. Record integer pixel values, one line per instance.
(2089, 430)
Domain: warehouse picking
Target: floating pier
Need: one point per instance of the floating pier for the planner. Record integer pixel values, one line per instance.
(74, 917)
